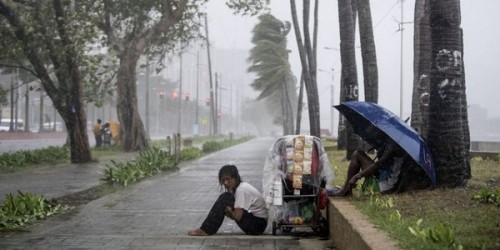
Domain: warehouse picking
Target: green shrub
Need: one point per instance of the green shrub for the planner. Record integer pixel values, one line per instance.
(211, 146)
(155, 160)
(24, 208)
(488, 196)
(113, 147)
(190, 153)
(158, 143)
(147, 164)
(25, 158)
(439, 237)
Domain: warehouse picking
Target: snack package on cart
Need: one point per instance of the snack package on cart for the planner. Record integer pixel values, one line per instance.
(294, 162)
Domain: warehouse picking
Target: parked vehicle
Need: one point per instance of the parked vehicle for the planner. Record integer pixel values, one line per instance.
(54, 126)
(5, 125)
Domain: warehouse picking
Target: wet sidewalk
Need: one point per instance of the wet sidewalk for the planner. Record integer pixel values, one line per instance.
(153, 214)
(59, 180)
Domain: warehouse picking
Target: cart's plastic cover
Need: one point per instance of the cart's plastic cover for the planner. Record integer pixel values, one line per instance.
(275, 169)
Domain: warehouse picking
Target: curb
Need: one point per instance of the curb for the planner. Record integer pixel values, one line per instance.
(351, 229)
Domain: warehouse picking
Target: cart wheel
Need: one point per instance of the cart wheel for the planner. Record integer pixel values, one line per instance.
(286, 229)
(321, 228)
(274, 228)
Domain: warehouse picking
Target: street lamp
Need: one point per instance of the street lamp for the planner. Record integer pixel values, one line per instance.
(401, 29)
(331, 48)
(219, 112)
(196, 124)
(179, 101)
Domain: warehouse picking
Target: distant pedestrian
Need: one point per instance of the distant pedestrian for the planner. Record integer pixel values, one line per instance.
(241, 202)
(98, 133)
(106, 134)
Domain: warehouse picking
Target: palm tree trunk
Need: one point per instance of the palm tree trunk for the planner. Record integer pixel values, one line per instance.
(283, 112)
(447, 123)
(465, 117)
(349, 81)
(421, 68)
(299, 104)
(368, 52)
(311, 88)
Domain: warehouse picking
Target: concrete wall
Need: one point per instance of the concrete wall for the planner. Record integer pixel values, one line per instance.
(485, 146)
(350, 229)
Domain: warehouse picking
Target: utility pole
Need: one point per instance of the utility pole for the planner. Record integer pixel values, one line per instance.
(401, 66)
(213, 116)
(160, 96)
(26, 109)
(196, 124)
(179, 100)
(219, 110)
(331, 108)
(231, 107)
(237, 108)
(401, 29)
(216, 103)
(147, 97)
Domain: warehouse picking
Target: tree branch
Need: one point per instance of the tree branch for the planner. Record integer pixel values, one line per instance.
(32, 55)
(106, 26)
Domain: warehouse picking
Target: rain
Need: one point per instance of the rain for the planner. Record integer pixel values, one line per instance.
(163, 114)
(204, 87)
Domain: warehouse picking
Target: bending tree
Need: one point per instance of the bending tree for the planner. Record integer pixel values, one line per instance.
(269, 60)
(152, 27)
(53, 37)
(133, 28)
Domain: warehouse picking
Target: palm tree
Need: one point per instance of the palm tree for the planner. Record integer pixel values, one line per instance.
(368, 53)
(349, 80)
(269, 60)
(308, 61)
(421, 68)
(448, 123)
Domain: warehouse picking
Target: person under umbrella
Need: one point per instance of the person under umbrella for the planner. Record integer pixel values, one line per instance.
(386, 166)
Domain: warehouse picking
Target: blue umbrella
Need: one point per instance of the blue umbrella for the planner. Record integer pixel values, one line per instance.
(365, 116)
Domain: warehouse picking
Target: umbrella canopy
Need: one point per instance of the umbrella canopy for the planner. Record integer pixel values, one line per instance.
(366, 116)
(115, 130)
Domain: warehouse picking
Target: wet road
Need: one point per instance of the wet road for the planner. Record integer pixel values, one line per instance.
(9, 146)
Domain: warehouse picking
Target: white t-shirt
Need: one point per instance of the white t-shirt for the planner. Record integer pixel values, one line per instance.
(250, 199)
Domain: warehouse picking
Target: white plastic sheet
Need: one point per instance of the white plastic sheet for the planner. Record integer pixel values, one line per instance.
(277, 166)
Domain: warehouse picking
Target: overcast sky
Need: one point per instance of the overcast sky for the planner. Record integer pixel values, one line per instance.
(481, 52)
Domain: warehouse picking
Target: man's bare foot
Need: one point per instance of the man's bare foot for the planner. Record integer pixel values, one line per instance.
(197, 232)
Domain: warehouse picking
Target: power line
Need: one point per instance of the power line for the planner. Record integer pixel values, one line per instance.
(386, 14)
